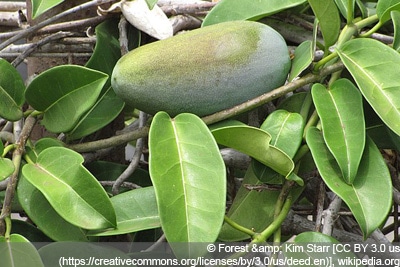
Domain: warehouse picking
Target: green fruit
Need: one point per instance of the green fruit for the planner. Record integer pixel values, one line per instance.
(203, 71)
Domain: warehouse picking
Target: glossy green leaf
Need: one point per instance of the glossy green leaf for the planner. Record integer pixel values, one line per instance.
(374, 67)
(227, 10)
(64, 94)
(189, 178)
(286, 130)
(303, 57)
(329, 20)
(70, 189)
(370, 196)
(44, 216)
(341, 112)
(396, 27)
(17, 251)
(300, 102)
(255, 143)
(12, 89)
(107, 107)
(6, 168)
(252, 209)
(384, 7)
(343, 6)
(136, 210)
(41, 6)
(104, 111)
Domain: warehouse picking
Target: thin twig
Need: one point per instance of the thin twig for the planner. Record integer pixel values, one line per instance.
(12, 182)
(331, 215)
(34, 28)
(135, 159)
(41, 42)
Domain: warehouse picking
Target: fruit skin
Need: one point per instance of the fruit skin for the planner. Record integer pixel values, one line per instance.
(203, 71)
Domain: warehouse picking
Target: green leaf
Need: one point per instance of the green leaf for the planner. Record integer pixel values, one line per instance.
(136, 210)
(12, 89)
(41, 6)
(396, 27)
(341, 112)
(17, 251)
(70, 189)
(329, 20)
(227, 10)
(44, 216)
(248, 205)
(384, 7)
(108, 105)
(300, 102)
(286, 130)
(6, 168)
(255, 143)
(64, 94)
(374, 67)
(151, 3)
(343, 6)
(303, 57)
(104, 111)
(370, 196)
(189, 178)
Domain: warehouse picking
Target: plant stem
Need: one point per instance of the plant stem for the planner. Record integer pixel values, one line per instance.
(12, 183)
(239, 227)
(36, 27)
(264, 235)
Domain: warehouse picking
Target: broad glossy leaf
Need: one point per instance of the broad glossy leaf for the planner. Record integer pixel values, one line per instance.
(329, 20)
(303, 57)
(64, 94)
(104, 111)
(12, 89)
(374, 67)
(136, 210)
(17, 251)
(341, 112)
(384, 7)
(396, 27)
(44, 216)
(370, 196)
(286, 130)
(189, 178)
(70, 189)
(227, 10)
(6, 168)
(41, 6)
(255, 143)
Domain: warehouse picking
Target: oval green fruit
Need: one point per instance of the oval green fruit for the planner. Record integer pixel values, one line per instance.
(203, 71)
